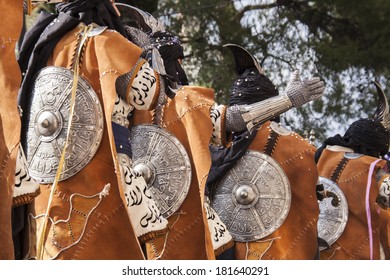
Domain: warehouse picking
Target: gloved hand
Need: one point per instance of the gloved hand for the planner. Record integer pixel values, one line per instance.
(301, 92)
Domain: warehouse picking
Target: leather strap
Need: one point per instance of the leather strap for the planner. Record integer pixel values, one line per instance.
(271, 143)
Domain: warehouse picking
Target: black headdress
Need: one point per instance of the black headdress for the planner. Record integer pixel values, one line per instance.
(168, 45)
(368, 136)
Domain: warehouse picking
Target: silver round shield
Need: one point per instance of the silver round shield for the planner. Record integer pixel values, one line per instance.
(253, 199)
(332, 219)
(47, 130)
(164, 163)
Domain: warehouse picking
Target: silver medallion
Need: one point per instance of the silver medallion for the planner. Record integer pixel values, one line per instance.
(164, 163)
(332, 219)
(352, 155)
(48, 125)
(253, 199)
(280, 129)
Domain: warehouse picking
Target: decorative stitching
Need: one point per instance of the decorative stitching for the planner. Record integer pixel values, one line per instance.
(5, 41)
(111, 71)
(311, 223)
(339, 169)
(99, 196)
(361, 247)
(296, 157)
(25, 198)
(196, 107)
(6, 159)
(353, 178)
(300, 235)
(178, 235)
(259, 256)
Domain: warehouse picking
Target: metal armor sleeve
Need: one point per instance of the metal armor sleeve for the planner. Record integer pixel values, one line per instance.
(234, 120)
(239, 117)
(140, 86)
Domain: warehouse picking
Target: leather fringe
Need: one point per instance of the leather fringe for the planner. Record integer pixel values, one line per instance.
(224, 247)
(25, 198)
(151, 235)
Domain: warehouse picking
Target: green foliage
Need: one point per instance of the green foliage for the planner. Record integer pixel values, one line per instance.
(348, 33)
(345, 42)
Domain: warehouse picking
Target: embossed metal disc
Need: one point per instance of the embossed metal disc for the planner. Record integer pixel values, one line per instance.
(165, 164)
(332, 220)
(48, 125)
(253, 199)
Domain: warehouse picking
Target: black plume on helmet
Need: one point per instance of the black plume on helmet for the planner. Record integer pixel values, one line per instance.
(171, 50)
(368, 136)
(250, 87)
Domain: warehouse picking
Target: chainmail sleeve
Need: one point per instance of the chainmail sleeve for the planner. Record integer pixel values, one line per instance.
(140, 86)
(234, 120)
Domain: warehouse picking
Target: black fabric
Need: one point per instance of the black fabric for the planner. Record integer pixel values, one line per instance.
(18, 216)
(229, 254)
(135, 17)
(168, 45)
(181, 74)
(171, 51)
(100, 12)
(250, 87)
(122, 139)
(40, 41)
(364, 136)
(223, 159)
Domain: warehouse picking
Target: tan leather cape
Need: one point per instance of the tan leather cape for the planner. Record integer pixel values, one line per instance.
(11, 14)
(98, 227)
(296, 238)
(187, 116)
(354, 242)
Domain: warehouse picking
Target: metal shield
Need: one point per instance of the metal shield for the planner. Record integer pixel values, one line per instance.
(164, 163)
(332, 220)
(49, 113)
(253, 199)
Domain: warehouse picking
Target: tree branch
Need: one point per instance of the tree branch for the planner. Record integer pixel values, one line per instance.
(241, 13)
